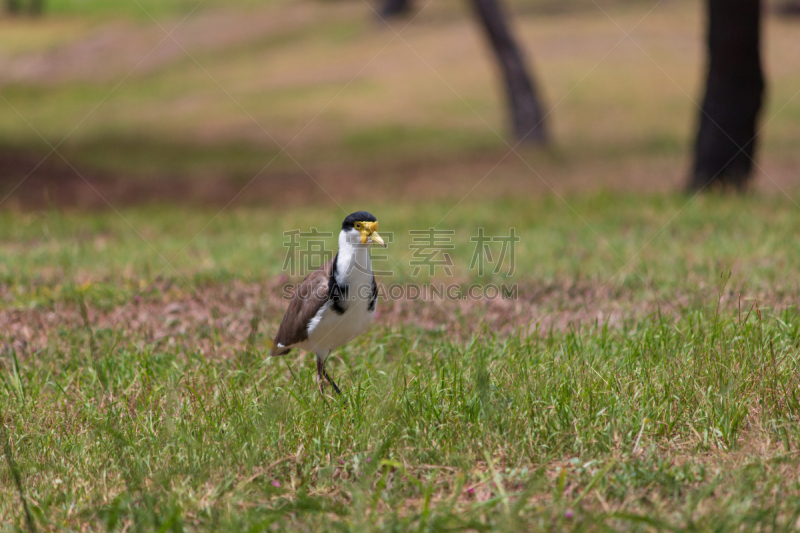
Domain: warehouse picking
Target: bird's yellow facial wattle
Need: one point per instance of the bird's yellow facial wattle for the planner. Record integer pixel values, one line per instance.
(369, 233)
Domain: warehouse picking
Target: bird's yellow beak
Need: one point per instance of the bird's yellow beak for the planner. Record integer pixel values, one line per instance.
(369, 233)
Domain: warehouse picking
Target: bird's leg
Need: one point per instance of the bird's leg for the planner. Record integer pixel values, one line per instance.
(323, 376)
(331, 381)
(320, 375)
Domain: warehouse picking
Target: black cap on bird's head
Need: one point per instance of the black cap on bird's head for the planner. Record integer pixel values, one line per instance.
(358, 216)
(366, 224)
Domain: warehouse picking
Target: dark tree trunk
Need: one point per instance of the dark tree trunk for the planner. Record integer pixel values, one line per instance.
(726, 138)
(393, 8)
(526, 109)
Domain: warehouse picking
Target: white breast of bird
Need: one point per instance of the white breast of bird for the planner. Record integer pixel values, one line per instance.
(329, 329)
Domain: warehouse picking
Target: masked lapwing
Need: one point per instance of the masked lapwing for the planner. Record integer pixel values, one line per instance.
(335, 303)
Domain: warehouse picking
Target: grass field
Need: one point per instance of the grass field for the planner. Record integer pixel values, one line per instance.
(643, 377)
(646, 378)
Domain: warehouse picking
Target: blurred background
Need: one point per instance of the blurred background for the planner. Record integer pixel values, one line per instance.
(274, 102)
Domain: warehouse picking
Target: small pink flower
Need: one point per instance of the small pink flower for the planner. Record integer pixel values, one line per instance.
(342, 461)
(369, 459)
(136, 298)
(471, 491)
(276, 483)
(568, 514)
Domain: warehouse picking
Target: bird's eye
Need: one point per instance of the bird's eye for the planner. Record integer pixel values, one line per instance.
(358, 225)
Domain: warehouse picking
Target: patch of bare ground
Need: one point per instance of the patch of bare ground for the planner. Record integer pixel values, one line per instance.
(32, 180)
(216, 319)
(116, 49)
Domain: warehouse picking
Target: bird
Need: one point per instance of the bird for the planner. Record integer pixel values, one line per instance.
(335, 303)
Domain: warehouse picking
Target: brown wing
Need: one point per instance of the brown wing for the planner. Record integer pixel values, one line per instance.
(309, 297)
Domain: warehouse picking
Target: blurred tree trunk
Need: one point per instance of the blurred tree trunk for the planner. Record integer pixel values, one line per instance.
(393, 8)
(726, 137)
(525, 107)
(526, 110)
